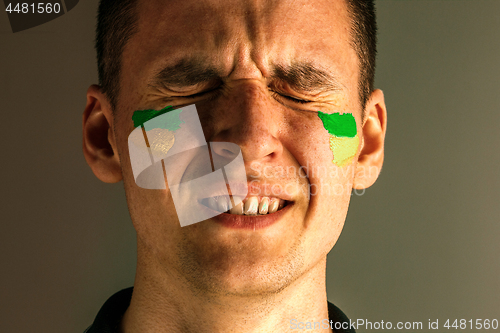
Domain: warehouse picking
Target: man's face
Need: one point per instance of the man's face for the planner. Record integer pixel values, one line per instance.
(246, 65)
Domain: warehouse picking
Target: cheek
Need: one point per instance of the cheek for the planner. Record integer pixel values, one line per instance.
(343, 136)
(152, 210)
(329, 187)
(328, 162)
(323, 143)
(344, 150)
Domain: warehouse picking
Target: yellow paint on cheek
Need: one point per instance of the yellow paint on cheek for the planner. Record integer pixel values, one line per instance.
(343, 149)
(160, 140)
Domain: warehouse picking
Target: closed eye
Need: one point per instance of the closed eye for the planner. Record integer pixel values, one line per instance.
(292, 99)
(199, 94)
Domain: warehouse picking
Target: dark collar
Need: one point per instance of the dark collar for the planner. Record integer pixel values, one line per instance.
(109, 317)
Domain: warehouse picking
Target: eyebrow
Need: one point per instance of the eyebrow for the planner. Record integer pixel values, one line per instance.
(192, 71)
(305, 76)
(185, 73)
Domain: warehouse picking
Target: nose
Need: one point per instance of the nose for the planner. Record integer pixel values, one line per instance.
(225, 149)
(248, 118)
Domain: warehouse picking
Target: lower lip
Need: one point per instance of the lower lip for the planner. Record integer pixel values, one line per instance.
(252, 222)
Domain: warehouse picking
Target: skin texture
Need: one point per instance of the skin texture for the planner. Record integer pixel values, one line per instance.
(206, 277)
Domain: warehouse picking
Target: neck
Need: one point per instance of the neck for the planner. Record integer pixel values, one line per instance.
(164, 302)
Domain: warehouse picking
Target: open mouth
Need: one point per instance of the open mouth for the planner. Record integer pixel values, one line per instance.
(252, 205)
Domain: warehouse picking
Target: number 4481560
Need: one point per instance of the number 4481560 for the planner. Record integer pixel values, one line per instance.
(479, 324)
(41, 8)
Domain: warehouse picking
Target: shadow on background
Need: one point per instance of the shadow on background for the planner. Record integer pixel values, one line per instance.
(29, 14)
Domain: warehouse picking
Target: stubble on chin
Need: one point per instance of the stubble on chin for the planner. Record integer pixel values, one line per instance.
(239, 269)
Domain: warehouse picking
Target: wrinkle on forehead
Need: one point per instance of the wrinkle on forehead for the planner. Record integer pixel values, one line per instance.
(260, 22)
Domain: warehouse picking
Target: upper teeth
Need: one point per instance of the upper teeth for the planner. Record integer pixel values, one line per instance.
(248, 206)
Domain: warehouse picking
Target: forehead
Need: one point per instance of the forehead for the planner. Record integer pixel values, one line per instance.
(223, 32)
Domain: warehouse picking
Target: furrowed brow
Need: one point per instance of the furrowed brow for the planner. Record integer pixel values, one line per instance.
(187, 72)
(306, 77)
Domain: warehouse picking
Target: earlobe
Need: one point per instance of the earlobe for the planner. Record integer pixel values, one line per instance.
(99, 145)
(371, 157)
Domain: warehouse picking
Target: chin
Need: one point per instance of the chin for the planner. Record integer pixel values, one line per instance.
(249, 281)
(243, 268)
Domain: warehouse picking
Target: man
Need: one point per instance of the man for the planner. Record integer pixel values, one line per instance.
(267, 76)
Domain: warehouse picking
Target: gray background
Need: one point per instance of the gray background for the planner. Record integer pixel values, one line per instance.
(421, 244)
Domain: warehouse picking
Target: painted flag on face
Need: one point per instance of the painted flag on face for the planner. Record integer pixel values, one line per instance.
(344, 139)
(168, 150)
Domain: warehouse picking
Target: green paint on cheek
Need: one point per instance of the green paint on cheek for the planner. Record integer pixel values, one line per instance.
(173, 123)
(339, 125)
(344, 140)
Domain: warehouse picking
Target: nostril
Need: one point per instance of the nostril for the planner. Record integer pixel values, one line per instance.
(225, 149)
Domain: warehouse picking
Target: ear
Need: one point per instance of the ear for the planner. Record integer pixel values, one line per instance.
(99, 146)
(371, 157)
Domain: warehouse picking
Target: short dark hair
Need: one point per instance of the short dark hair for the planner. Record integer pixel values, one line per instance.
(364, 42)
(117, 22)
